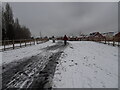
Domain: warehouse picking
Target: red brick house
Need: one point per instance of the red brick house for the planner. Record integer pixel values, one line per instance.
(117, 37)
(96, 36)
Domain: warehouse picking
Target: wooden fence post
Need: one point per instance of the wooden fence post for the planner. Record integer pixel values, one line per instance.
(113, 42)
(118, 40)
(20, 43)
(105, 40)
(25, 42)
(99, 40)
(4, 44)
(30, 42)
(118, 43)
(13, 44)
(37, 41)
(34, 41)
(8, 42)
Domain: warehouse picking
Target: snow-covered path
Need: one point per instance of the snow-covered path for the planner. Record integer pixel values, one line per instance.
(27, 72)
(87, 64)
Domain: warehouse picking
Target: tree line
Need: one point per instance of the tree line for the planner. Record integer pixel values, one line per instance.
(11, 28)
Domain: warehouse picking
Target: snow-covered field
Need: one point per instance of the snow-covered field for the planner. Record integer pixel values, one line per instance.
(17, 54)
(87, 64)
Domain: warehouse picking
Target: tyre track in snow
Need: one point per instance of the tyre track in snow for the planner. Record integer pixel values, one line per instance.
(35, 72)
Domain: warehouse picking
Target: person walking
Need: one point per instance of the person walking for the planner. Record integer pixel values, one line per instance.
(65, 40)
(53, 38)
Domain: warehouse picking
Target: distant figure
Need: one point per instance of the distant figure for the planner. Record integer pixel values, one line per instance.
(53, 38)
(65, 40)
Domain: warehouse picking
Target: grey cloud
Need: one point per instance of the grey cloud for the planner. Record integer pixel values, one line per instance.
(67, 17)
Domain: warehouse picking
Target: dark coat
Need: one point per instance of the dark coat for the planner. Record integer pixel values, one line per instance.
(65, 38)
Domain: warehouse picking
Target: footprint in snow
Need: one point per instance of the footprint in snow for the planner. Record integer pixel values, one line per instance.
(65, 54)
(71, 47)
(94, 57)
(89, 64)
(71, 60)
(95, 71)
(58, 73)
(86, 65)
(94, 64)
(75, 63)
(94, 77)
(61, 57)
(83, 63)
(57, 62)
(65, 61)
(108, 73)
(97, 66)
(103, 85)
(59, 80)
(71, 65)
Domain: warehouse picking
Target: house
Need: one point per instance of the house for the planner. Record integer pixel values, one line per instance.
(117, 37)
(109, 35)
(95, 36)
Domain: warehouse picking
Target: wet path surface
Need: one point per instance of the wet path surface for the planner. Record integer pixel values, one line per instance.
(35, 72)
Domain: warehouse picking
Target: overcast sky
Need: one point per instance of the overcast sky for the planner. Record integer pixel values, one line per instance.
(66, 17)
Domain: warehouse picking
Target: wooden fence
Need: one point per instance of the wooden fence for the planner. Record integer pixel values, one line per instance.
(12, 44)
(109, 41)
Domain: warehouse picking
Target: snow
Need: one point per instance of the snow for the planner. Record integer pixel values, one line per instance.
(17, 54)
(83, 64)
(32, 70)
(86, 64)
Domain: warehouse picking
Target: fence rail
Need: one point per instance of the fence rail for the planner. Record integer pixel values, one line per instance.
(109, 41)
(12, 44)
